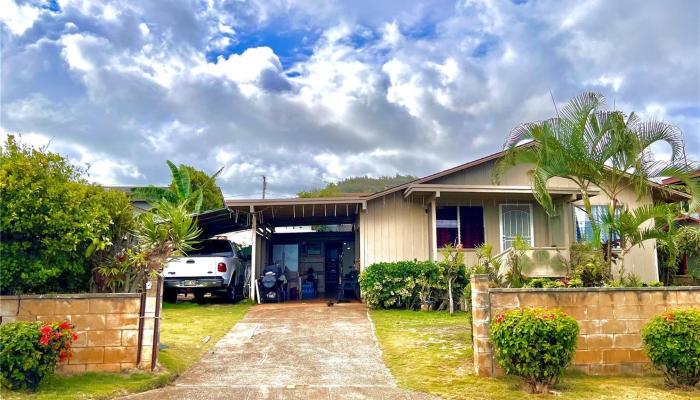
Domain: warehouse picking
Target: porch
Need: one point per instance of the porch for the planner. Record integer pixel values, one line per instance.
(476, 214)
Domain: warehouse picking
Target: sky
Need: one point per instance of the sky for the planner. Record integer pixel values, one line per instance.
(309, 92)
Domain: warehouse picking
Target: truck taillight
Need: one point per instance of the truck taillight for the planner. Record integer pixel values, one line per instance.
(221, 267)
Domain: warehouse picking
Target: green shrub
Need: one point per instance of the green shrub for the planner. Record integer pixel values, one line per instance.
(655, 284)
(50, 219)
(391, 285)
(554, 284)
(536, 282)
(592, 274)
(535, 344)
(29, 351)
(544, 283)
(404, 284)
(575, 282)
(672, 343)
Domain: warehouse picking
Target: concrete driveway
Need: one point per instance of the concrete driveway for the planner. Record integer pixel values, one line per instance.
(292, 351)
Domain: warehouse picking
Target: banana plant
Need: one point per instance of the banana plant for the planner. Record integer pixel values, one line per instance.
(180, 193)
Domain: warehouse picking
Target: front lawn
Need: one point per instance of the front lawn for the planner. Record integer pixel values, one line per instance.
(184, 326)
(432, 353)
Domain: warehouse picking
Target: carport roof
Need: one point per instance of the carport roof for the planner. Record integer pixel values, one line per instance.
(301, 211)
(281, 212)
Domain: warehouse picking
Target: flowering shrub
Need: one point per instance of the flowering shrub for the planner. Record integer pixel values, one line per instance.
(29, 351)
(536, 344)
(672, 343)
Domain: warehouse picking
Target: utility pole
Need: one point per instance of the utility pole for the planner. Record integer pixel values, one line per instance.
(264, 188)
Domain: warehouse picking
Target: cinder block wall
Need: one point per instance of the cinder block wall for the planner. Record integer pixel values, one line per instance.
(106, 324)
(610, 321)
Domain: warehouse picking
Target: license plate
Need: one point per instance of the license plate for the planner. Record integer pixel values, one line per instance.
(189, 283)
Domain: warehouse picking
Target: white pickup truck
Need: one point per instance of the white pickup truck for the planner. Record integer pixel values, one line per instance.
(212, 267)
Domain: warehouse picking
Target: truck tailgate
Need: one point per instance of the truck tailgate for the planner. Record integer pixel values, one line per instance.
(202, 267)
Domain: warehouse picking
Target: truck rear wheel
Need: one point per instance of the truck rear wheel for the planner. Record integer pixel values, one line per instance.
(231, 293)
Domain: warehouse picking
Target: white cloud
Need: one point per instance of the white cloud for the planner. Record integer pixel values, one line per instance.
(373, 88)
(18, 17)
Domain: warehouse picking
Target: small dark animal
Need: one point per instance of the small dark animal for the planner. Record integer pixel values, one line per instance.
(330, 303)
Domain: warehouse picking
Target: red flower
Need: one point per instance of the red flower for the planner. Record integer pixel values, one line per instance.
(75, 337)
(62, 356)
(64, 325)
(46, 329)
(500, 317)
(44, 340)
(668, 317)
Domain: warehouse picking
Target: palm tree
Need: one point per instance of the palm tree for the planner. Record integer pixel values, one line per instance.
(635, 226)
(179, 193)
(574, 145)
(593, 147)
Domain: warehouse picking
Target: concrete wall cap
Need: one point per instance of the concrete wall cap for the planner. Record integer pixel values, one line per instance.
(72, 296)
(596, 289)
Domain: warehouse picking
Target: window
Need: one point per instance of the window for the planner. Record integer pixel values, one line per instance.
(461, 224)
(471, 226)
(516, 220)
(209, 248)
(584, 231)
(446, 226)
(286, 255)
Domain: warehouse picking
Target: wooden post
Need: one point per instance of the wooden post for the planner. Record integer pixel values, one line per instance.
(433, 230)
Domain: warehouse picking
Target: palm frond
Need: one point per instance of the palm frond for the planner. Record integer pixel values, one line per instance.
(215, 174)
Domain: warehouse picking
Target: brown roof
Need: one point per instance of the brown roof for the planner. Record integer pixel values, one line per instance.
(673, 181)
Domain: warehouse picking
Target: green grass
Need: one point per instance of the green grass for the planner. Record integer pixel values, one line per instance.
(432, 353)
(184, 325)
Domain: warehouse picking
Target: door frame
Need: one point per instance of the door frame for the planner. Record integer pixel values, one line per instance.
(500, 223)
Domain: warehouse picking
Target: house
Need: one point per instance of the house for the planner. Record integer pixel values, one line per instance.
(415, 220)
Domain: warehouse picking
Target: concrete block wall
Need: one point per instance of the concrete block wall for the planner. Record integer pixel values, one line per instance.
(107, 326)
(610, 321)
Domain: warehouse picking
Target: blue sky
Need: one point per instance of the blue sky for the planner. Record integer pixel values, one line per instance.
(312, 91)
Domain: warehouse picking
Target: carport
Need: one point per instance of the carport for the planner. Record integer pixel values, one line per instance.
(329, 253)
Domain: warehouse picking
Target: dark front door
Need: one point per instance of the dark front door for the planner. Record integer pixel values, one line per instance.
(332, 268)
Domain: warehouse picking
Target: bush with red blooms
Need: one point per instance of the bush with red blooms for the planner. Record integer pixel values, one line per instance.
(29, 351)
(536, 344)
(672, 342)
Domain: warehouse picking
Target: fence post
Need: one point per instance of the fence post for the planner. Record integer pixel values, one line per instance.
(481, 319)
(149, 342)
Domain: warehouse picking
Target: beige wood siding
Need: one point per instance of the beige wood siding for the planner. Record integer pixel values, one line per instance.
(483, 175)
(394, 229)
